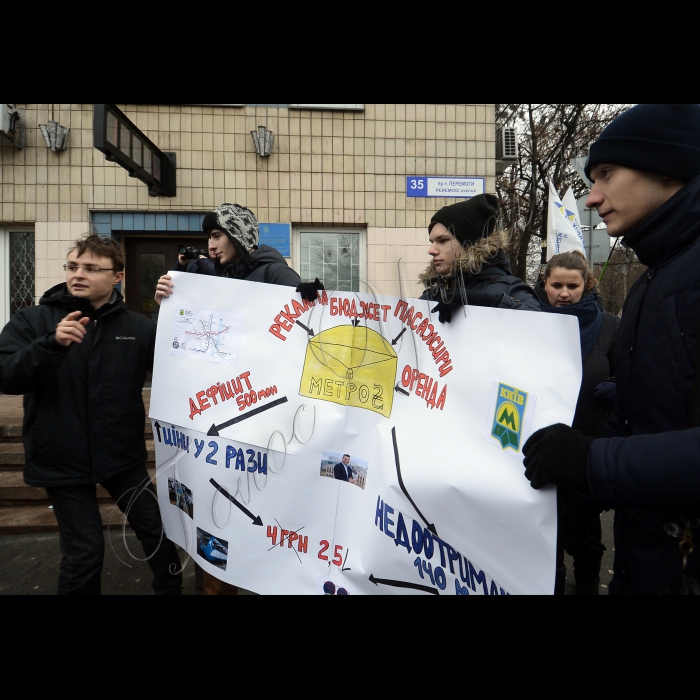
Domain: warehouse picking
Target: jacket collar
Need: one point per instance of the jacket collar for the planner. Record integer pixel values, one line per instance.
(670, 229)
(495, 266)
(59, 296)
(262, 255)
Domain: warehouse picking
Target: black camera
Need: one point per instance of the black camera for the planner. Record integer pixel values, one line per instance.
(191, 253)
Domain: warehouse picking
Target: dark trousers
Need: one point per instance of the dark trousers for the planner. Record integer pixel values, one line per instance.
(580, 534)
(82, 539)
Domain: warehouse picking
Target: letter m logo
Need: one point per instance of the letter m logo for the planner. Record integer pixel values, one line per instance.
(508, 417)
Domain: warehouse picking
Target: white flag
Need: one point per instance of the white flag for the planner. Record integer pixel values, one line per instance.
(563, 225)
(571, 212)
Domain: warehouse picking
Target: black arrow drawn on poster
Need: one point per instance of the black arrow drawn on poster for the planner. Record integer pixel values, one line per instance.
(355, 322)
(430, 526)
(401, 391)
(308, 330)
(403, 584)
(157, 424)
(396, 340)
(255, 518)
(214, 430)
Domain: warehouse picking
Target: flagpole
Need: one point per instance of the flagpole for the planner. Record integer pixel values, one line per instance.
(612, 250)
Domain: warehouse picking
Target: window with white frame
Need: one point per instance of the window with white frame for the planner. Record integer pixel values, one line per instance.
(335, 255)
(17, 271)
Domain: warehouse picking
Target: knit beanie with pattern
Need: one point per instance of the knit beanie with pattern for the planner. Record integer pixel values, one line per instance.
(238, 223)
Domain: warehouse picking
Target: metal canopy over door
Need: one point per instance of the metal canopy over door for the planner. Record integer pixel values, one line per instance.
(147, 258)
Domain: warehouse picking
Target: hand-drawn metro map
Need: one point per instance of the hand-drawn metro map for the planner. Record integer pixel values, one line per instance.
(207, 334)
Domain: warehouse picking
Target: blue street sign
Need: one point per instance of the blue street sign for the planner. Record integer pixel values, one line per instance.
(444, 186)
(277, 236)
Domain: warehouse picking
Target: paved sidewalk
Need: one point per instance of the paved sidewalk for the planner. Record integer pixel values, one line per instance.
(606, 568)
(29, 565)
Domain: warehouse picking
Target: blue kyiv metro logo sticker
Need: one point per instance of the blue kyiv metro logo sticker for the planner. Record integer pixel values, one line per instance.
(509, 416)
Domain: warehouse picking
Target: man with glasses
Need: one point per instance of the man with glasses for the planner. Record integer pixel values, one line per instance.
(80, 358)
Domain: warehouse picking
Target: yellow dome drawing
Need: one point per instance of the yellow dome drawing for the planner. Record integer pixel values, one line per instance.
(352, 367)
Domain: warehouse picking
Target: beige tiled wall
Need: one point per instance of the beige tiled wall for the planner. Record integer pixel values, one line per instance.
(327, 167)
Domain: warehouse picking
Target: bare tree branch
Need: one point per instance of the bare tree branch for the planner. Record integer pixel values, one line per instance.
(549, 136)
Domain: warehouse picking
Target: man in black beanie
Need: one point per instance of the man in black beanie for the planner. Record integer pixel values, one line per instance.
(646, 173)
(469, 261)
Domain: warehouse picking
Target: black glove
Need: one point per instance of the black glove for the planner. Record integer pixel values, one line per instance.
(605, 394)
(444, 310)
(308, 289)
(557, 455)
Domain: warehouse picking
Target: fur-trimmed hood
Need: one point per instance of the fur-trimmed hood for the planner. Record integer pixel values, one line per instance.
(476, 257)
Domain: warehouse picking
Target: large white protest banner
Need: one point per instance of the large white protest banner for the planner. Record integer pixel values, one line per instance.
(355, 444)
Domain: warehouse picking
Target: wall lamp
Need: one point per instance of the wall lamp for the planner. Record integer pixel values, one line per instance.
(263, 139)
(55, 135)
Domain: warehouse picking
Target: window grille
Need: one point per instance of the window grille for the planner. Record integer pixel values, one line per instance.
(332, 257)
(22, 270)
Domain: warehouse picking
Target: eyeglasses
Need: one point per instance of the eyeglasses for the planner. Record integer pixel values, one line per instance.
(89, 269)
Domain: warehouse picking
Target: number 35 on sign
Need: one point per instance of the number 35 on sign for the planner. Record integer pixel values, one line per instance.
(447, 186)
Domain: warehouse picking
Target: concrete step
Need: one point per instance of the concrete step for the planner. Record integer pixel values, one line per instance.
(25, 509)
(10, 432)
(12, 454)
(22, 520)
(14, 492)
(13, 433)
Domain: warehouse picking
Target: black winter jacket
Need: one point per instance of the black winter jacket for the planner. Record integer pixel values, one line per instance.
(265, 264)
(591, 417)
(495, 278)
(650, 474)
(83, 409)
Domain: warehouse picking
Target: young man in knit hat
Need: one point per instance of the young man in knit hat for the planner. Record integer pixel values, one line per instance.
(646, 173)
(233, 235)
(466, 248)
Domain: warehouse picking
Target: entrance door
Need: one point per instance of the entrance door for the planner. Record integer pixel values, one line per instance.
(146, 260)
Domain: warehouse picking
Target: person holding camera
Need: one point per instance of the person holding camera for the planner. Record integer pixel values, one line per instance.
(234, 252)
(233, 237)
(191, 259)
